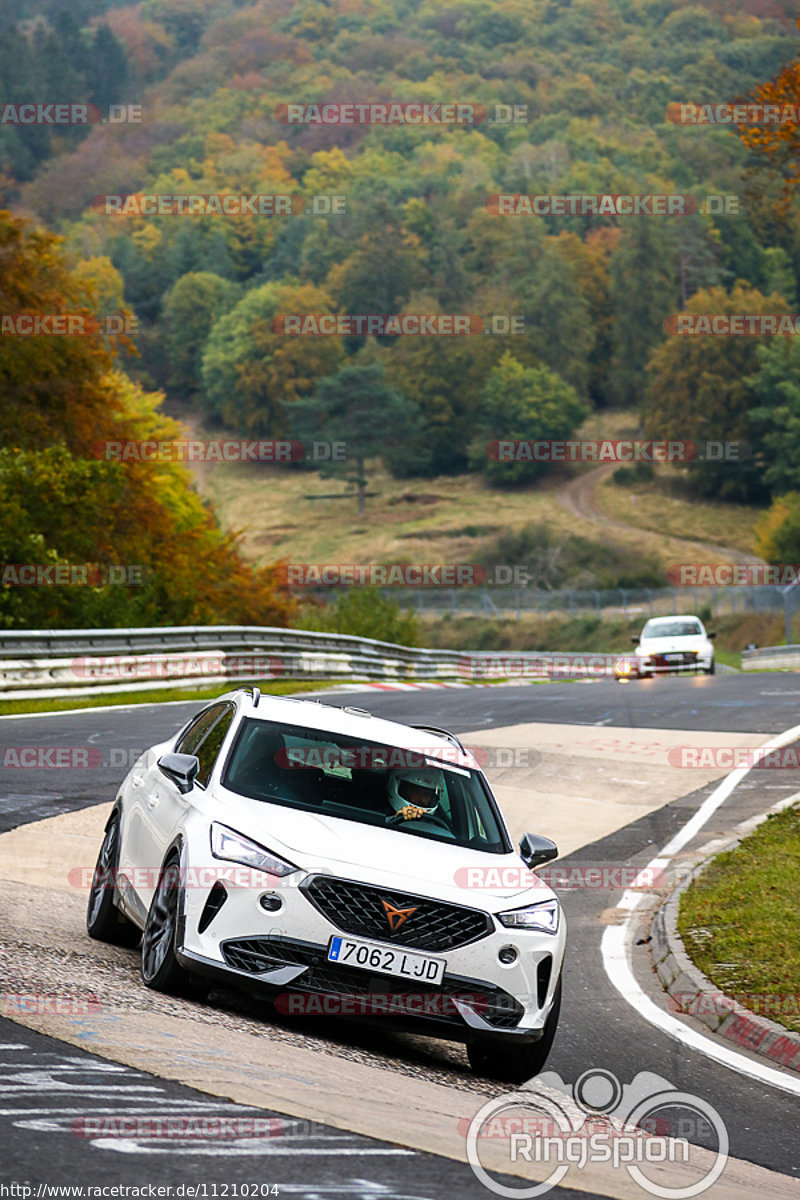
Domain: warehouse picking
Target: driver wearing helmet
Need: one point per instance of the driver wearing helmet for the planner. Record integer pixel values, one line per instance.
(415, 793)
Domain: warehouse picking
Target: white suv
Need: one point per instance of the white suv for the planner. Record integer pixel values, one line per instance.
(348, 865)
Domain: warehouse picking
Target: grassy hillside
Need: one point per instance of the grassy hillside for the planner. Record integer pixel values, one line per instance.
(461, 519)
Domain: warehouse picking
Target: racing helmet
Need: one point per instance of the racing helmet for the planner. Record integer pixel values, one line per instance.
(429, 778)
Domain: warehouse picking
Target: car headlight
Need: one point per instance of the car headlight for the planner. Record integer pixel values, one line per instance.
(232, 846)
(543, 917)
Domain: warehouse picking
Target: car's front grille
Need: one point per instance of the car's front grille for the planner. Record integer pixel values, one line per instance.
(684, 658)
(397, 917)
(400, 997)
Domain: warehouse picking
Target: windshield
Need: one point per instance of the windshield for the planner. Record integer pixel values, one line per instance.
(671, 629)
(333, 775)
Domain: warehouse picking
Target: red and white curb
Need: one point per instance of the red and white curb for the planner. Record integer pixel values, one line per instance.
(616, 943)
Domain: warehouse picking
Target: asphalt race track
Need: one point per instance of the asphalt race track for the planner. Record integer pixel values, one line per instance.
(45, 1085)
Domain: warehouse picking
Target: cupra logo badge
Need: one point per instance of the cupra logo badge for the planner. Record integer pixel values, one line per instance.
(396, 916)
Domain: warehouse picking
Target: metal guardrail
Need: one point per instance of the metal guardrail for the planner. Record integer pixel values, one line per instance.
(53, 663)
(771, 658)
(65, 662)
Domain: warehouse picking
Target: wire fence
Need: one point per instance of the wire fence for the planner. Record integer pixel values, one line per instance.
(623, 602)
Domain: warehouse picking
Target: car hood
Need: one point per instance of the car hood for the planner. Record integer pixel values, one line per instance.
(384, 857)
(668, 645)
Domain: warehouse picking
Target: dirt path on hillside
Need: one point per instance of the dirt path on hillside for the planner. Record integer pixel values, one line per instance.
(579, 498)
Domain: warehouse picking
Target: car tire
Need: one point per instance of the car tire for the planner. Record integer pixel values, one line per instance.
(711, 668)
(160, 968)
(104, 921)
(504, 1059)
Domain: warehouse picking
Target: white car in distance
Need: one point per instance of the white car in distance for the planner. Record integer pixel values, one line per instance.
(667, 645)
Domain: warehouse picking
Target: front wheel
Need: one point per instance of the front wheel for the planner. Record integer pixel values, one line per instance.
(104, 921)
(711, 668)
(161, 970)
(504, 1059)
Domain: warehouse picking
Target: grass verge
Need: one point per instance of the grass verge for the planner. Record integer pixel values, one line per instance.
(738, 920)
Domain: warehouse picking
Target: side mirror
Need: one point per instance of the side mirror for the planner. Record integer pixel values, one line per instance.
(181, 769)
(635, 641)
(535, 850)
(711, 636)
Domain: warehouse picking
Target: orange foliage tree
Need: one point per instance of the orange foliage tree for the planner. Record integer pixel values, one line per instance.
(63, 502)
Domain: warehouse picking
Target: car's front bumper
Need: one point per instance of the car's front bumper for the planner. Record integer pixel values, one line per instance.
(640, 666)
(285, 953)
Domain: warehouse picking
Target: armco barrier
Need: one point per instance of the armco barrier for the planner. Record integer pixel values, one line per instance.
(771, 658)
(51, 663)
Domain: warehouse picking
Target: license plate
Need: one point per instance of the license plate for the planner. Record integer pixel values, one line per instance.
(673, 658)
(386, 960)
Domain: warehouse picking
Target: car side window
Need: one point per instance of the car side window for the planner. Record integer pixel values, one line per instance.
(209, 748)
(198, 729)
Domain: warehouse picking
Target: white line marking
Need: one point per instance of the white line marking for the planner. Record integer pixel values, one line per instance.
(615, 960)
(616, 939)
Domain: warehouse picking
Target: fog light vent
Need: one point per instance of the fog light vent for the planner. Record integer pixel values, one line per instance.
(216, 898)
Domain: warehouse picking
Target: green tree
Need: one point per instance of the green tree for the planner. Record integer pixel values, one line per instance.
(365, 612)
(252, 372)
(644, 293)
(358, 408)
(775, 415)
(524, 404)
(191, 308)
(698, 392)
(444, 377)
(778, 531)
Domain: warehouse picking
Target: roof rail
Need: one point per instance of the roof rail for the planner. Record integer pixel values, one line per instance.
(445, 733)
